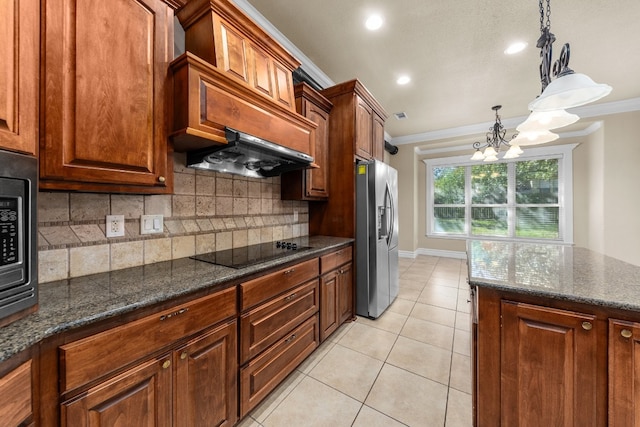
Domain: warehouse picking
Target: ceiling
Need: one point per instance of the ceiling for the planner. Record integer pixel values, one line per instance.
(454, 53)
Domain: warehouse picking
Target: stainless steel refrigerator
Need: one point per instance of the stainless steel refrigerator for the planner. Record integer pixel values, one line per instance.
(376, 237)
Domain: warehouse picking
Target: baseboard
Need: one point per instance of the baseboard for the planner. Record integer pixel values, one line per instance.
(432, 252)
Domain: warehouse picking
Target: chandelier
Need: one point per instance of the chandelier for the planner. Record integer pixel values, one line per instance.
(495, 140)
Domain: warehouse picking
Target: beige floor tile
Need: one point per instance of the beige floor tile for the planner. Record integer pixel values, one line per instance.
(249, 422)
(439, 290)
(451, 282)
(408, 398)
(431, 297)
(315, 357)
(313, 403)
(340, 332)
(423, 359)
(464, 305)
(271, 402)
(415, 276)
(411, 284)
(401, 306)
(389, 321)
(368, 340)
(462, 342)
(428, 333)
(460, 373)
(458, 409)
(408, 293)
(369, 417)
(422, 270)
(463, 321)
(347, 371)
(434, 314)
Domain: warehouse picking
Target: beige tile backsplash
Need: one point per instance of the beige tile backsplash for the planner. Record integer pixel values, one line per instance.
(208, 211)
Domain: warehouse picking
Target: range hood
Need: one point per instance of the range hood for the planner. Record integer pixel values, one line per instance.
(248, 155)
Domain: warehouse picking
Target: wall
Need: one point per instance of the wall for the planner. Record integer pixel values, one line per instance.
(606, 179)
(208, 211)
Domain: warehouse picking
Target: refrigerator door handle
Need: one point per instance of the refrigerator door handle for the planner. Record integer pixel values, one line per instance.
(389, 217)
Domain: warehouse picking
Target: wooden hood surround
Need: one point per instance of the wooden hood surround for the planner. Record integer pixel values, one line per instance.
(233, 75)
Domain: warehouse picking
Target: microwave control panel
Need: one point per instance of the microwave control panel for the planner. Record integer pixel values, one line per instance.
(9, 229)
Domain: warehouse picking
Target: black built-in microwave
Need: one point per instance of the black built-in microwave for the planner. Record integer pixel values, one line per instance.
(18, 250)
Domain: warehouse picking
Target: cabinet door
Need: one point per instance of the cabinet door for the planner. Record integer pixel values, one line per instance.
(329, 317)
(141, 396)
(377, 139)
(345, 293)
(364, 117)
(20, 52)
(15, 395)
(105, 96)
(548, 367)
(317, 180)
(206, 379)
(624, 373)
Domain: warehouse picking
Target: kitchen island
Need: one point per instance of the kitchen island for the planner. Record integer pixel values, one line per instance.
(555, 329)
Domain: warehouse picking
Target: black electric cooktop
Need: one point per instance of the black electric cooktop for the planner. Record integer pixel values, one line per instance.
(250, 255)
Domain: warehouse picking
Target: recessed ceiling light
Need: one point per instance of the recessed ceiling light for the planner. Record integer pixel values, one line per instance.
(374, 22)
(515, 48)
(403, 80)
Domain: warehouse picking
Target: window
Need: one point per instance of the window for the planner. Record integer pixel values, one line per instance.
(528, 198)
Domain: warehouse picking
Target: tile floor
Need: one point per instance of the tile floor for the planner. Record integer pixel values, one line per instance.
(410, 367)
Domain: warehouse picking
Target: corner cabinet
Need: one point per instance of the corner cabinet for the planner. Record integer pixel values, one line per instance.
(106, 96)
(20, 53)
(311, 184)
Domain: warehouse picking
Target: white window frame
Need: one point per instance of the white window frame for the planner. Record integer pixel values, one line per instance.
(564, 154)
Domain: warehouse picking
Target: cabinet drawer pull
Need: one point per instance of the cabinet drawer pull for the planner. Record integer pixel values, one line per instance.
(587, 326)
(175, 313)
(183, 355)
(626, 333)
(291, 338)
(290, 297)
(289, 271)
(161, 179)
(166, 364)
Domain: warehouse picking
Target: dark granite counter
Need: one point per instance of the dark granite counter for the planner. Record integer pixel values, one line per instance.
(72, 303)
(555, 271)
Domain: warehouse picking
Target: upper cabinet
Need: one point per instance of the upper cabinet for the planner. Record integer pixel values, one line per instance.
(311, 184)
(106, 96)
(19, 56)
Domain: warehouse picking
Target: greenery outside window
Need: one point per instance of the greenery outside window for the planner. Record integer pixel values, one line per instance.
(528, 198)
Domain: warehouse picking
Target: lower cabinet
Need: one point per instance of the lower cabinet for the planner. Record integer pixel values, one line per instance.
(336, 291)
(624, 373)
(16, 402)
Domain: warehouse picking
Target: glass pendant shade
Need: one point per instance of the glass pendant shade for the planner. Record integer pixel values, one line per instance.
(490, 151)
(513, 152)
(548, 120)
(571, 90)
(491, 158)
(477, 156)
(534, 138)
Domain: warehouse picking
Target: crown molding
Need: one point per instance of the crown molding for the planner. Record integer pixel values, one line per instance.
(316, 73)
(587, 111)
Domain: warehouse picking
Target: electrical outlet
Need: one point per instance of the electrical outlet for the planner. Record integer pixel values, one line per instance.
(151, 224)
(115, 225)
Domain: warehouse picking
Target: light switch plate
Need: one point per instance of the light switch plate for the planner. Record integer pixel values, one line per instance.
(151, 224)
(115, 226)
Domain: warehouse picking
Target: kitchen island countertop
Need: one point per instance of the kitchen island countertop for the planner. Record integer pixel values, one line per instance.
(554, 271)
(68, 304)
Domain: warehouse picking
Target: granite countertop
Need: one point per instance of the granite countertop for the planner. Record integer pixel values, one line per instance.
(555, 271)
(72, 303)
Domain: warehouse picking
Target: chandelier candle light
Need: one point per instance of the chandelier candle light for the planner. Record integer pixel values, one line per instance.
(495, 140)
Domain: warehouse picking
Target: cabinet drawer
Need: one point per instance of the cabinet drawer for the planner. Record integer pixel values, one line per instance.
(266, 371)
(263, 288)
(271, 321)
(331, 261)
(90, 358)
(15, 395)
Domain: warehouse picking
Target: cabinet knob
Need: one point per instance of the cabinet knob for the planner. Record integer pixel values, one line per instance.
(183, 355)
(587, 326)
(166, 364)
(161, 178)
(626, 333)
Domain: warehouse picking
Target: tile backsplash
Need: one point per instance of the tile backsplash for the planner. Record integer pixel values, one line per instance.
(208, 211)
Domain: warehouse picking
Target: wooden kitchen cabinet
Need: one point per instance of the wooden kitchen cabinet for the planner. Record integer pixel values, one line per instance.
(19, 75)
(106, 96)
(356, 119)
(16, 399)
(537, 362)
(624, 373)
(141, 396)
(311, 184)
(336, 291)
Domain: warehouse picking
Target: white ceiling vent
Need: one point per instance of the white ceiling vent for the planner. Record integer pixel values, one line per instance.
(401, 115)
